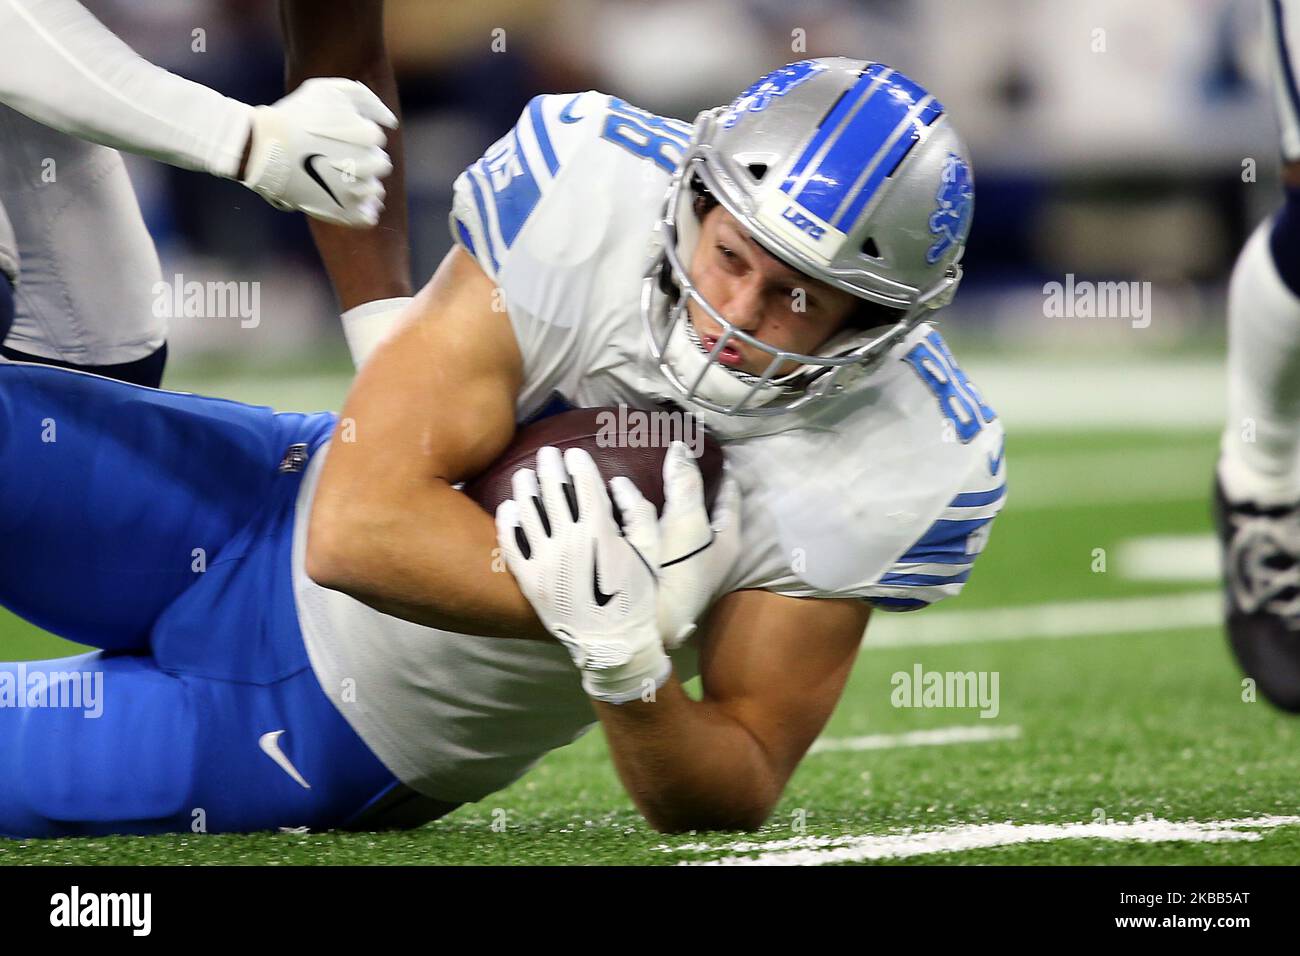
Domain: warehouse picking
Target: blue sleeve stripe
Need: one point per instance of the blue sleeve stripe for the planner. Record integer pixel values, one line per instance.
(923, 580)
(465, 237)
(899, 604)
(970, 499)
(483, 216)
(517, 199)
(955, 554)
(945, 532)
(944, 543)
(543, 137)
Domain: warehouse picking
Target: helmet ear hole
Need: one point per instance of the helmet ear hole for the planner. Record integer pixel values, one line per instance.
(758, 171)
(869, 248)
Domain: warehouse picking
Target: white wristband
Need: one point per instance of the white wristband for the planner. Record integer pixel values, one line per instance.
(366, 326)
(645, 673)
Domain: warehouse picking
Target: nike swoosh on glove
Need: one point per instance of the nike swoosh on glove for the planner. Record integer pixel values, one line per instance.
(320, 150)
(695, 553)
(591, 584)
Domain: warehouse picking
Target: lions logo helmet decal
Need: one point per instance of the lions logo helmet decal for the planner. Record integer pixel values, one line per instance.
(951, 218)
(777, 83)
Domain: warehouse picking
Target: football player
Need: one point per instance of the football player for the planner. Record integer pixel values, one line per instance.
(1257, 491)
(351, 650)
(72, 240)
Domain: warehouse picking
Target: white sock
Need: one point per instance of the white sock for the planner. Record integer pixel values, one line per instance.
(1261, 438)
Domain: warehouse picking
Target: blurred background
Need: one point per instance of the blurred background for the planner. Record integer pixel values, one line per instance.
(1109, 138)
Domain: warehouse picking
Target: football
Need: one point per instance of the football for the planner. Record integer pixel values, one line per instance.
(622, 441)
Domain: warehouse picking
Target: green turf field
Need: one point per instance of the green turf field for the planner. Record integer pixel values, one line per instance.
(1118, 739)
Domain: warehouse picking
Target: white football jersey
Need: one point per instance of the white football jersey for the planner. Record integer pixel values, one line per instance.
(884, 495)
(84, 267)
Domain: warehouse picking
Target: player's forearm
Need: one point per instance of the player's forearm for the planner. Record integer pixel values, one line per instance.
(427, 555)
(688, 765)
(434, 405)
(345, 38)
(65, 69)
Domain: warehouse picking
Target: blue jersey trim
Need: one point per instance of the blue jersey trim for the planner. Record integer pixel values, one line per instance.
(944, 542)
(465, 237)
(516, 200)
(483, 217)
(899, 604)
(971, 499)
(543, 137)
(923, 580)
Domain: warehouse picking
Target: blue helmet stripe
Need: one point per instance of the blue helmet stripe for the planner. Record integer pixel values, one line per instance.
(843, 108)
(885, 168)
(862, 141)
(868, 128)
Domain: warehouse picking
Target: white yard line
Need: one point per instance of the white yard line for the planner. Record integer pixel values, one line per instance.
(1059, 394)
(1169, 557)
(1168, 612)
(967, 734)
(816, 851)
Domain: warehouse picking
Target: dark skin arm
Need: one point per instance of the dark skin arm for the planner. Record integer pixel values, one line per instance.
(346, 38)
(773, 669)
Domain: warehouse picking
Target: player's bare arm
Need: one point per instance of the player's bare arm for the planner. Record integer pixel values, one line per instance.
(433, 406)
(773, 668)
(346, 38)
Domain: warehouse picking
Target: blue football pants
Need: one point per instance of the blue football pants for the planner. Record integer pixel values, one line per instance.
(157, 526)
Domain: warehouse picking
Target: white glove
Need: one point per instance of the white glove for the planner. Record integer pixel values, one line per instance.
(320, 150)
(695, 554)
(366, 326)
(591, 584)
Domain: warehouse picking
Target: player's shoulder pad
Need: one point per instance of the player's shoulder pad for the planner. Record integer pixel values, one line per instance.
(918, 474)
(497, 194)
(938, 563)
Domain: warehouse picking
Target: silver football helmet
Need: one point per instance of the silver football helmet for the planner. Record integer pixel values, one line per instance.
(847, 171)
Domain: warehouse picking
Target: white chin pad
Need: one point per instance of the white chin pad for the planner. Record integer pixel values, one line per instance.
(718, 385)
